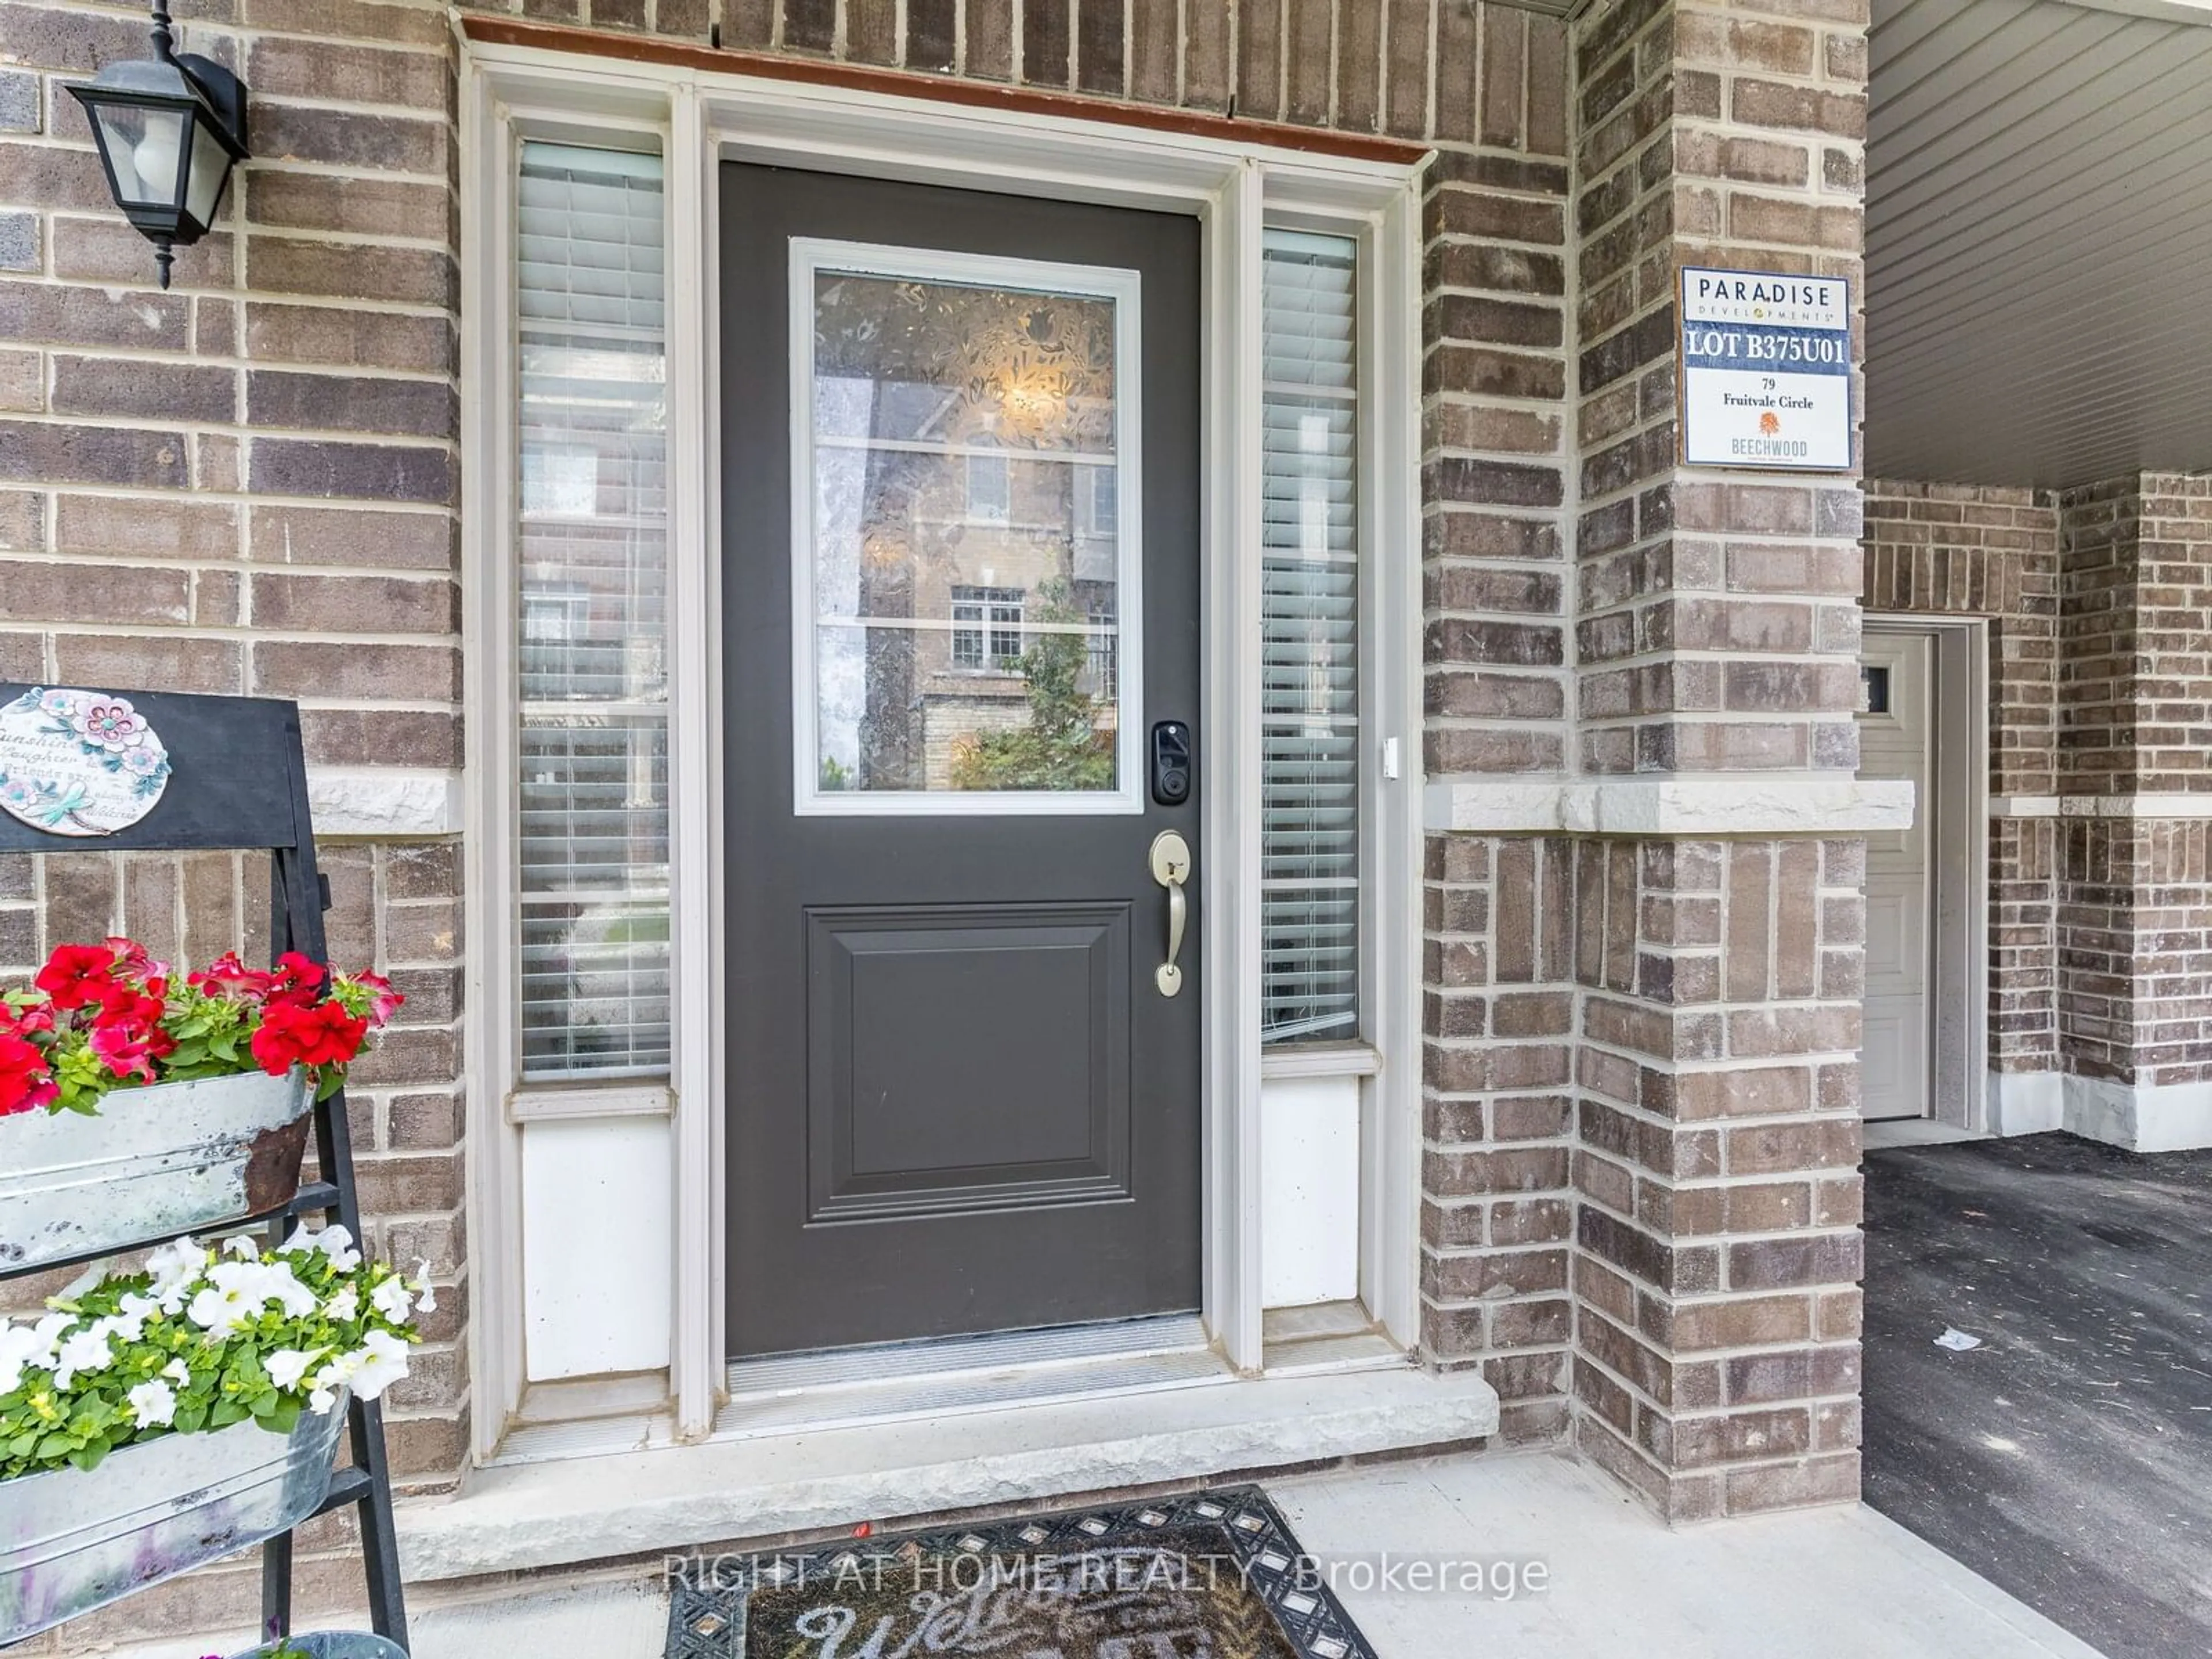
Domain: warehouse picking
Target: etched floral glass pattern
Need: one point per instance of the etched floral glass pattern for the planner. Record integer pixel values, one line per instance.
(965, 546)
(593, 790)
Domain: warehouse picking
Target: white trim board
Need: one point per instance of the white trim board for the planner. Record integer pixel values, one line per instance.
(2197, 12)
(1957, 815)
(1684, 805)
(2142, 1117)
(696, 117)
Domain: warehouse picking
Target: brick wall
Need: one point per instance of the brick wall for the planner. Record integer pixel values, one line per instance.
(1497, 1213)
(2134, 684)
(2135, 950)
(247, 484)
(2100, 578)
(2100, 941)
(1496, 1217)
(1965, 551)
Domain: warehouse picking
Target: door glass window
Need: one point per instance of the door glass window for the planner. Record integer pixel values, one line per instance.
(965, 461)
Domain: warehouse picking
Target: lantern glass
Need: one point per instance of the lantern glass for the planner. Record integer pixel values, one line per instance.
(145, 149)
(210, 168)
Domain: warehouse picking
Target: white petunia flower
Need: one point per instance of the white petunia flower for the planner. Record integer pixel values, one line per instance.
(287, 1366)
(380, 1361)
(343, 1306)
(242, 1246)
(128, 1326)
(429, 1301)
(252, 1286)
(391, 1299)
(277, 1283)
(222, 1310)
(176, 1267)
(334, 1242)
(20, 1347)
(89, 1350)
(328, 1382)
(176, 1371)
(49, 1331)
(153, 1404)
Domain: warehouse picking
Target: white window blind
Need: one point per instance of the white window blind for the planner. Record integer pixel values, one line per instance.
(1309, 777)
(593, 789)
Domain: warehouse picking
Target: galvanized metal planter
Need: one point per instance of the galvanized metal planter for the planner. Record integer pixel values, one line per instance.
(335, 1645)
(156, 1160)
(71, 1541)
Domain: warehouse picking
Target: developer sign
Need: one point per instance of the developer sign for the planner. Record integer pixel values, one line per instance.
(1766, 370)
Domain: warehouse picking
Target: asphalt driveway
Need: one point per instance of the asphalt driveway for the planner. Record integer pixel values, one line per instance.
(2069, 1457)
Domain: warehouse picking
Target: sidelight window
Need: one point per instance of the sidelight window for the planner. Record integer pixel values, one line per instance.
(1310, 580)
(592, 744)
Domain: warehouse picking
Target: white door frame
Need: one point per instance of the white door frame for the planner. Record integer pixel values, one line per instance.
(1957, 810)
(699, 116)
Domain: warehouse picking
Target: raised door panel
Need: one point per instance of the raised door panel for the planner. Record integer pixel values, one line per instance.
(967, 1058)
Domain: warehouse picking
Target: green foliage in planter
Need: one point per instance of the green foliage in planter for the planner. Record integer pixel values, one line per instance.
(199, 1341)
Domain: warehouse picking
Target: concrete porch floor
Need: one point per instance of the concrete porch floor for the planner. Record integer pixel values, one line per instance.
(1837, 1584)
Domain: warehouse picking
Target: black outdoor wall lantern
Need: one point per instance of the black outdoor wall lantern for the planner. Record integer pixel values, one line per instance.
(170, 131)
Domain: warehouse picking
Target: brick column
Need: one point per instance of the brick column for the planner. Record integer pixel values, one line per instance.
(2135, 867)
(1717, 637)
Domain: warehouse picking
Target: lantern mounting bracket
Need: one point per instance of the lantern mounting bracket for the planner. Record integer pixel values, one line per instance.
(224, 92)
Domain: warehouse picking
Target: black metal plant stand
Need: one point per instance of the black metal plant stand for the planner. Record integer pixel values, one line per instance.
(239, 783)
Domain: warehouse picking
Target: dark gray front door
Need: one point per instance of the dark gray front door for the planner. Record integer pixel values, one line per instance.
(961, 592)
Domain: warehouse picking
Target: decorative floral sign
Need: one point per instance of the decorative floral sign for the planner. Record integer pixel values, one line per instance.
(79, 762)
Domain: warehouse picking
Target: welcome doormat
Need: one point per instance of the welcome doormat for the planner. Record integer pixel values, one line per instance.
(1215, 1575)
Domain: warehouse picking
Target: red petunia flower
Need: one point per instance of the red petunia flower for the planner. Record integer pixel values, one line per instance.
(296, 980)
(34, 1020)
(227, 977)
(322, 1034)
(130, 1009)
(383, 1000)
(76, 974)
(129, 1051)
(25, 1083)
(135, 958)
